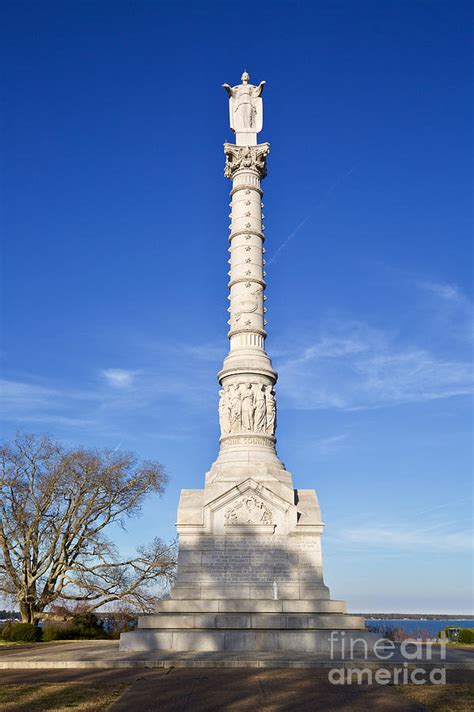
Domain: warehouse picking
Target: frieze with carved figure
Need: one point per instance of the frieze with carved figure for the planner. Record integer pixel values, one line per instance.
(248, 510)
(247, 407)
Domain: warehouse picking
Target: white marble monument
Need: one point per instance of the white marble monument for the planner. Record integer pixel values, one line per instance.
(250, 573)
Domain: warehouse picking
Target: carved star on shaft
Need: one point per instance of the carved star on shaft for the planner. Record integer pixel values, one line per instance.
(248, 322)
(247, 237)
(248, 284)
(249, 271)
(248, 248)
(248, 260)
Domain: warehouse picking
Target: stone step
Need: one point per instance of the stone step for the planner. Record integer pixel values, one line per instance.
(257, 591)
(238, 605)
(316, 642)
(270, 621)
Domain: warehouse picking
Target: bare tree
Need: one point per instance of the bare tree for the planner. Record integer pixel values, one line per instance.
(55, 504)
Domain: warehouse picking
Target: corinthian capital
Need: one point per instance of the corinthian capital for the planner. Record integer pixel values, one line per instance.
(251, 158)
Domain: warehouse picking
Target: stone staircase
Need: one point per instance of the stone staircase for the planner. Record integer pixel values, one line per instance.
(241, 625)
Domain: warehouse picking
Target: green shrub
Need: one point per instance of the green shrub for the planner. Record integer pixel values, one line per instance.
(88, 626)
(6, 630)
(59, 631)
(83, 626)
(50, 633)
(466, 635)
(23, 633)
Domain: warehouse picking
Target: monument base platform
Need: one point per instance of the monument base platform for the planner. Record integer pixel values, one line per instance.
(250, 577)
(316, 626)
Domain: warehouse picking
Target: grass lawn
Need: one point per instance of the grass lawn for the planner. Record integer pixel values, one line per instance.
(58, 697)
(442, 698)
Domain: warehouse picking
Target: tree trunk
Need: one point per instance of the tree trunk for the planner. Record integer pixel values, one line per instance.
(26, 612)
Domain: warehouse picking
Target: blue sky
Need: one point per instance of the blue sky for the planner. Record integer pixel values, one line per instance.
(114, 212)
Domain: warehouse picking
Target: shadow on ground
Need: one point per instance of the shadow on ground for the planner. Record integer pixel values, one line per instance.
(243, 690)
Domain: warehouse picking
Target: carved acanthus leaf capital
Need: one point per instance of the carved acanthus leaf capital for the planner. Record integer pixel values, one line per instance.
(251, 158)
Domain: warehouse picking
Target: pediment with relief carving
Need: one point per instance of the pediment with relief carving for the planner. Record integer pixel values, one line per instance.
(248, 510)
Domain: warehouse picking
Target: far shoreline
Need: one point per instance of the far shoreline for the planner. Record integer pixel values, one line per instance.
(416, 616)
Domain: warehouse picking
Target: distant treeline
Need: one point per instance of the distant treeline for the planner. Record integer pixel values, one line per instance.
(4, 614)
(416, 616)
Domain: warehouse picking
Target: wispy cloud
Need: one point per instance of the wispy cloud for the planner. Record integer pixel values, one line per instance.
(206, 352)
(353, 366)
(406, 530)
(432, 537)
(16, 392)
(119, 377)
(24, 403)
(330, 444)
(346, 365)
(448, 292)
(449, 310)
(118, 401)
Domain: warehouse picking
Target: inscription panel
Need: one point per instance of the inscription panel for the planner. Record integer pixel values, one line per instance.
(232, 442)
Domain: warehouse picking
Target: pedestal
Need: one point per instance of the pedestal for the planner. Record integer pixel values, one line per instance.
(250, 575)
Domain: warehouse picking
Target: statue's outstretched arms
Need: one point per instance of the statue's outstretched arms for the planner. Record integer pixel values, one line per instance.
(228, 89)
(258, 90)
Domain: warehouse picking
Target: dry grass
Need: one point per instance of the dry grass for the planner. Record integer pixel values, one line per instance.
(58, 697)
(442, 698)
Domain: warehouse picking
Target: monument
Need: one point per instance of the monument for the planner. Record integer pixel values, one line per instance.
(250, 572)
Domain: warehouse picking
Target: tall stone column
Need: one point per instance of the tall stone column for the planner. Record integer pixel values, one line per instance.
(247, 400)
(250, 571)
